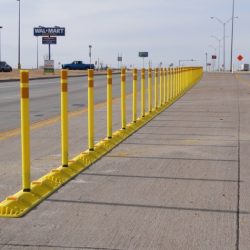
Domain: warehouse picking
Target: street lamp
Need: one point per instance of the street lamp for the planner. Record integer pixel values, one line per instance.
(232, 37)
(214, 48)
(190, 60)
(224, 37)
(19, 34)
(206, 60)
(219, 40)
(90, 47)
(0, 44)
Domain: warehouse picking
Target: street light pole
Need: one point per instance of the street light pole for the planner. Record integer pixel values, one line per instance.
(214, 60)
(232, 36)
(219, 40)
(224, 39)
(206, 61)
(0, 44)
(19, 34)
(224, 46)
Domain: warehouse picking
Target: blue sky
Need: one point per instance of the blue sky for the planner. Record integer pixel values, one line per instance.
(169, 30)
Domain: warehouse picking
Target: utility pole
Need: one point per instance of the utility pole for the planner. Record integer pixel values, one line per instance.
(232, 37)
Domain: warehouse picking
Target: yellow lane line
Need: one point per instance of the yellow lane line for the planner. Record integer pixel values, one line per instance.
(50, 121)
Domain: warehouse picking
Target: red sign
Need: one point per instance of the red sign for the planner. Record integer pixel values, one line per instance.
(240, 57)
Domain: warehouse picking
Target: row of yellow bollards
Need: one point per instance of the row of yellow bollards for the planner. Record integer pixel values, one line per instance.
(168, 85)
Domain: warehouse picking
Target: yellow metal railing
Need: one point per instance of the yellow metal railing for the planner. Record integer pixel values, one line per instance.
(169, 85)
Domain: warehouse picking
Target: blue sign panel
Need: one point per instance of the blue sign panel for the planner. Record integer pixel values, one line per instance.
(49, 31)
(49, 40)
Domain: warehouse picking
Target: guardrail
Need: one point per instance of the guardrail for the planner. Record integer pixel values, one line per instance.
(169, 85)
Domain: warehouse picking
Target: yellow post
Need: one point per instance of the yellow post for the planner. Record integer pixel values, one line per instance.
(181, 80)
(175, 82)
(156, 88)
(169, 84)
(165, 86)
(134, 95)
(64, 118)
(161, 86)
(25, 130)
(91, 109)
(109, 103)
(143, 92)
(149, 90)
(123, 98)
(172, 83)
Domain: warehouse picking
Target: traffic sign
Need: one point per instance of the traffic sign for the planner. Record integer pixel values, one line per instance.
(240, 57)
(49, 40)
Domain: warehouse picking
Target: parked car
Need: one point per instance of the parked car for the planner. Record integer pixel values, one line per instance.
(78, 65)
(4, 67)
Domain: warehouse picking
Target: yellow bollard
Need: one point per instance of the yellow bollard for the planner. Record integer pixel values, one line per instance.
(143, 92)
(177, 81)
(109, 103)
(123, 98)
(169, 84)
(149, 90)
(165, 86)
(172, 83)
(181, 80)
(64, 118)
(161, 86)
(156, 88)
(91, 109)
(134, 95)
(180, 83)
(25, 130)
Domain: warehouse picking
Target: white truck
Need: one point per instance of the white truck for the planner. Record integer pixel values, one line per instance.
(245, 67)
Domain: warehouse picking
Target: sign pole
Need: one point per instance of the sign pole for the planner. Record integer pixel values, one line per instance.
(49, 50)
(143, 55)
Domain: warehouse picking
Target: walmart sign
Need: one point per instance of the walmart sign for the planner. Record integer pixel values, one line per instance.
(49, 31)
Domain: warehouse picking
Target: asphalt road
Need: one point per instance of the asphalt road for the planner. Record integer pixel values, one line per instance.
(45, 98)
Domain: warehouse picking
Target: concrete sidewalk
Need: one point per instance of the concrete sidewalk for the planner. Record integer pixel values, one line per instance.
(181, 182)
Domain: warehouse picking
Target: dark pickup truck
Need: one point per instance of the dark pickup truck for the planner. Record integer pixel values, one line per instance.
(4, 67)
(78, 65)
